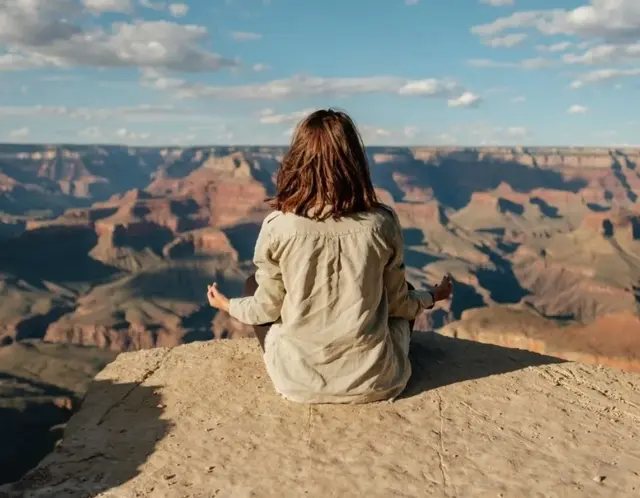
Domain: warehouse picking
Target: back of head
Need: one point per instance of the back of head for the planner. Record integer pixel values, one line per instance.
(325, 172)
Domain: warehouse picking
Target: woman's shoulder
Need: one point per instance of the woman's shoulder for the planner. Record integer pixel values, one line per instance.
(387, 211)
(271, 217)
(387, 215)
(382, 218)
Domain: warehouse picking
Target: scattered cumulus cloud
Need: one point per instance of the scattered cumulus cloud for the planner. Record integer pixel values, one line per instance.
(100, 6)
(40, 33)
(20, 134)
(91, 133)
(600, 39)
(606, 19)
(269, 116)
(606, 54)
(467, 99)
(577, 109)
(506, 41)
(178, 9)
(374, 134)
(299, 87)
(153, 5)
(609, 29)
(555, 47)
(603, 76)
(498, 3)
(533, 63)
(130, 136)
(410, 131)
(132, 113)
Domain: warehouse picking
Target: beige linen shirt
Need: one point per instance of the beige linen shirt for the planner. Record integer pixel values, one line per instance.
(337, 294)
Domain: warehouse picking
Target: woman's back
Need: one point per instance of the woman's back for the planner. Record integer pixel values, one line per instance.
(330, 276)
(334, 339)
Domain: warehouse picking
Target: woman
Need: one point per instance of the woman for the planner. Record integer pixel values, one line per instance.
(330, 303)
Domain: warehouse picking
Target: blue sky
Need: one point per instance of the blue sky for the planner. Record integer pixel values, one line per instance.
(411, 72)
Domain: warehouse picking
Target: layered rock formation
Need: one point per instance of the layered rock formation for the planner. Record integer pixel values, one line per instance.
(555, 229)
(113, 246)
(41, 385)
(203, 420)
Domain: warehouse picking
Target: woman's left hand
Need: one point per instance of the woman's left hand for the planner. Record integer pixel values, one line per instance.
(443, 290)
(216, 298)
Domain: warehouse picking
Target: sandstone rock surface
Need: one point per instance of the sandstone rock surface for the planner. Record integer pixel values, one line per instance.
(202, 420)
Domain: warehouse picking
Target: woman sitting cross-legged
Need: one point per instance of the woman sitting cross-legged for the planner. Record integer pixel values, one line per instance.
(330, 302)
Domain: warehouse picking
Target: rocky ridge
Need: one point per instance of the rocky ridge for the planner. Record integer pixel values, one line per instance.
(507, 223)
(109, 249)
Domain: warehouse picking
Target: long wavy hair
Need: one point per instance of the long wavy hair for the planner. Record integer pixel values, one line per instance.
(325, 173)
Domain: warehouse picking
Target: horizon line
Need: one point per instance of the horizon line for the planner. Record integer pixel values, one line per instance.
(247, 145)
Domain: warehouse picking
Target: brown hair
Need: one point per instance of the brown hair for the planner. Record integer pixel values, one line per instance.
(325, 167)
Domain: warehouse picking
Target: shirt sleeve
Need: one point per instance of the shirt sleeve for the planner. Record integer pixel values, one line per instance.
(403, 303)
(265, 305)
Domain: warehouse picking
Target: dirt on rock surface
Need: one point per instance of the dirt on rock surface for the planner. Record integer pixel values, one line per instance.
(203, 420)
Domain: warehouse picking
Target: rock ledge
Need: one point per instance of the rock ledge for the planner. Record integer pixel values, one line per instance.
(202, 420)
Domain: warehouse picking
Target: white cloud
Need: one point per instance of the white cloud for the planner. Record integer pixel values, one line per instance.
(467, 99)
(603, 76)
(245, 36)
(506, 41)
(129, 136)
(258, 68)
(516, 20)
(150, 4)
(577, 109)
(416, 88)
(269, 116)
(133, 113)
(518, 100)
(39, 33)
(410, 131)
(374, 134)
(91, 133)
(100, 6)
(297, 87)
(178, 9)
(607, 19)
(534, 63)
(36, 22)
(555, 47)
(498, 3)
(605, 54)
(19, 134)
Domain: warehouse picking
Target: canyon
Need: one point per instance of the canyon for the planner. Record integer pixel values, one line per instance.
(109, 249)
